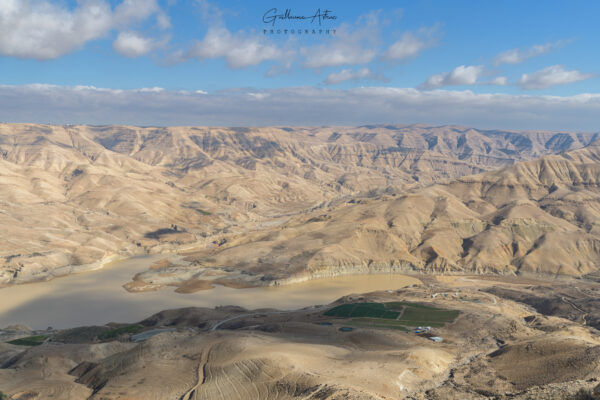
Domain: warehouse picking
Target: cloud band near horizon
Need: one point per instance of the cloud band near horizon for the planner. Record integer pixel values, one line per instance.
(296, 106)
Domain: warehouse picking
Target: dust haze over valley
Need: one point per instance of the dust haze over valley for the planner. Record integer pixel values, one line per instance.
(499, 232)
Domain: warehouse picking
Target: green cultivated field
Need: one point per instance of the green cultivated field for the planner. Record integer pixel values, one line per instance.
(394, 315)
(420, 315)
(29, 341)
(373, 310)
(113, 333)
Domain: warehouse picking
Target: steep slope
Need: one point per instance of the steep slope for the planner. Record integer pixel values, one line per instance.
(73, 197)
(537, 217)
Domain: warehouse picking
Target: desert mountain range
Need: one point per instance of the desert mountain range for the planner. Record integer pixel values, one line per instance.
(272, 205)
(535, 217)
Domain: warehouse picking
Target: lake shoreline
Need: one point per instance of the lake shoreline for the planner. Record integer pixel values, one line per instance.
(97, 297)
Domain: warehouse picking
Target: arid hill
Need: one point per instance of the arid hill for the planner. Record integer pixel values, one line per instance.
(495, 346)
(73, 197)
(536, 217)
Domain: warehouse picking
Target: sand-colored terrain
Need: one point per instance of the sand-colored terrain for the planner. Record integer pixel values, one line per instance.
(496, 348)
(539, 217)
(73, 198)
(500, 231)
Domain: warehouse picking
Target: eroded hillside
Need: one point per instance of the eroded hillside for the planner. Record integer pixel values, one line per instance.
(536, 217)
(72, 197)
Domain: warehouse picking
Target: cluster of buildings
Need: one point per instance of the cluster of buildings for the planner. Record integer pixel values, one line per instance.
(425, 331)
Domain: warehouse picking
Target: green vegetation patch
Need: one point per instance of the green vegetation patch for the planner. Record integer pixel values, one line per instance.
(113, 333)
(397, 314)
(343, 311)
(194, 205)
(415, 316)
(2, 396)
(29, 341)
(371, 310)
(84, 334)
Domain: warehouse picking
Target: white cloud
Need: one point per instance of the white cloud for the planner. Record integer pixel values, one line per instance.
(175, 57)
(411, 44)
(347, 75)
(296, 106)
(239, 50)
(499, 80)
(408, 46)
(516, 56)
(133, 10)
(550, 76)
(154, 89)
(45, 30)
(210, 14)
(258, 95)
(343, 52)
(132, 44)
(461, 75)
(349, 46)
(162, 20)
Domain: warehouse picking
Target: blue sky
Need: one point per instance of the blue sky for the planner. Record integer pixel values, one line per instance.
(462, 62)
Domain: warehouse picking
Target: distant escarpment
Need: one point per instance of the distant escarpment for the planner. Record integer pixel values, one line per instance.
(278, 203)
(540, 217)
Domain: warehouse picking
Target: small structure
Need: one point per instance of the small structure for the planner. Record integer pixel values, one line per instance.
(436, 339)
(423, 329)
(346, 329)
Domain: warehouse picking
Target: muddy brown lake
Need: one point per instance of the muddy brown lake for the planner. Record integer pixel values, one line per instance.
(97, 297)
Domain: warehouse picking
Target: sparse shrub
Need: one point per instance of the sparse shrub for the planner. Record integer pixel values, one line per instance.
(83, 334)
(583, 394)
(162, 231)
(76, 172)
(114, 333)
